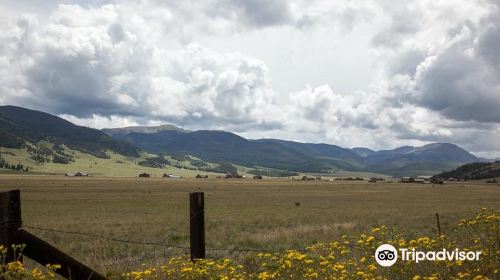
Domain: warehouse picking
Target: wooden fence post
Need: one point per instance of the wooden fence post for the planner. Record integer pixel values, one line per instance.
(10, 222)
(44, 253)
(38, 250)
(197, 225)
(438, 224)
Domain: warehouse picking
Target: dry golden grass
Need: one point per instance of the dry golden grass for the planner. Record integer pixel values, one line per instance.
(240, 213)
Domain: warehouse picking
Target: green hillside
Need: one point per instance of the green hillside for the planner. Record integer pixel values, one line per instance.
(221, 146)
(474, 171)
(116, 165)
(19, 125)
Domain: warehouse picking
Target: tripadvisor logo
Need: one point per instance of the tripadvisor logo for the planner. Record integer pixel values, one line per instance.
(386, 255)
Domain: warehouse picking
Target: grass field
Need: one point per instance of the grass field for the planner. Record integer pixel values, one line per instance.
(241, 213)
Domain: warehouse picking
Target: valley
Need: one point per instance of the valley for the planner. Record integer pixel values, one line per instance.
(48, 144)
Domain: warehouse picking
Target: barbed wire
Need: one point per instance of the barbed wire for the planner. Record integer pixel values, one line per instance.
(242, 250)
(109, 238)
(162, 244)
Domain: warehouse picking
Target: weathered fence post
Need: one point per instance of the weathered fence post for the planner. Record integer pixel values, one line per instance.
(38, 250)
(10, 222)
(197, 225)
(438, 224)
(44, 253)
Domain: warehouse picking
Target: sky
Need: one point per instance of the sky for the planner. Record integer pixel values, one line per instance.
(374, 73)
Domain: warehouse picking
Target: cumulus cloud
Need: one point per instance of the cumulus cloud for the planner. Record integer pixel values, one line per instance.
(459, 76)
(134, 63)
(106, 59)
(89, 58)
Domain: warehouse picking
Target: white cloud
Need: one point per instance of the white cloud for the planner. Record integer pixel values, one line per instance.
(122, 64)
(97, 121)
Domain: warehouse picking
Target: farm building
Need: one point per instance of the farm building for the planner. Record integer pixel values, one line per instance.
(77, 174)
(423, 179)
(437, 180)
(171, 176)
(419, 180)
(376, 179)
(325, 178)
(144, 175)
(407, 180)
(352, 179)
(232, 175)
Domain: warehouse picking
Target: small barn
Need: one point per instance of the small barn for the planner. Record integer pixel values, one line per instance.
(77, 174)
(232, 175)
(407, 180)
(437, 180)
(423, 179)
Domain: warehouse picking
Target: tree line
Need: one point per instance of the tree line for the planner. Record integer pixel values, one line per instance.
(17, 167)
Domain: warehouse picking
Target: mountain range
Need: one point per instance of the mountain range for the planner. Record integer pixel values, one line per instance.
(221, 146)
(19, 125)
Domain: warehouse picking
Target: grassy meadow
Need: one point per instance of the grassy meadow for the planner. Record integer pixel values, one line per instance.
(270, 214)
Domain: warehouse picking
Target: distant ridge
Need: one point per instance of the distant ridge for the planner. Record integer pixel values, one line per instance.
(221, 146)
(142, 129)
(362, 152)
(19, 125)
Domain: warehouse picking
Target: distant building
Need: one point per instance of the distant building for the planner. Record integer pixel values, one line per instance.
(77, 174)
(232, 175)
(407, 180)
(171, 176)
(437, 180)
(423, 179)
(376, 179)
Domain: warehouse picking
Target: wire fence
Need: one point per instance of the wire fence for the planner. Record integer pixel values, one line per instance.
(159, 244)
(109, 238)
